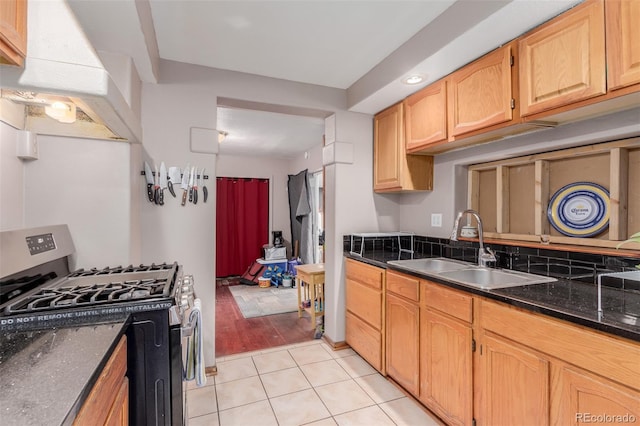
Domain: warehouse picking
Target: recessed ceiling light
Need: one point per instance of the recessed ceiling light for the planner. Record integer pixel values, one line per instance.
(413, 79)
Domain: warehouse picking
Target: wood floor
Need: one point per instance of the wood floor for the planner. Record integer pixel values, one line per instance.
(236, 334)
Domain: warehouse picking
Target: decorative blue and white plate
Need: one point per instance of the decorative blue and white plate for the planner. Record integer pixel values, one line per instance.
(579, 209)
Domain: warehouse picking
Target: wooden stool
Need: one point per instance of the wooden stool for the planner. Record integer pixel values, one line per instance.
(310, 283)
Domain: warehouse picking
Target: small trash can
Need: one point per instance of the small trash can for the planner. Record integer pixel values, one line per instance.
(287, 281)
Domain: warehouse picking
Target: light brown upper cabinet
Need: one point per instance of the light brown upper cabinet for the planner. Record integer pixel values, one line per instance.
(393, 169)
(425, 115)
(563, 61)
(623, 43)
(480, 94)
(13, 31)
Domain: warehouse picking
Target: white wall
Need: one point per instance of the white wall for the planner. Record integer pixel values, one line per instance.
(81, 182)
(172, 232)
(84, 183)
(312, 161)
(351, 206)
(11, 180)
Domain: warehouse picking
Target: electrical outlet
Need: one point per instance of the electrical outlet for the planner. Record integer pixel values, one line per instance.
(436, 220)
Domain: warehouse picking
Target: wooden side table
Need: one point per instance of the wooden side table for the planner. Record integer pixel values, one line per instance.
(310, 283)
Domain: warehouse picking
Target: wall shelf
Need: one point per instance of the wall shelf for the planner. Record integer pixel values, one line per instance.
(512, 195)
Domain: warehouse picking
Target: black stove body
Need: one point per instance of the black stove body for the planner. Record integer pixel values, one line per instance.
(37, 291)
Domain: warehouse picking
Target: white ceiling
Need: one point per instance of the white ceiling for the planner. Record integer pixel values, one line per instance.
(329, 43)
(259, 133)
(363, 46)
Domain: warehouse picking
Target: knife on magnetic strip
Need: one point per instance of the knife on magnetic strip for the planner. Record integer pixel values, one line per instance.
(148, 174)
(185, 185)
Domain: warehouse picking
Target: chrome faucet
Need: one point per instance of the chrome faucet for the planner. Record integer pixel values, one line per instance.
(484, 255)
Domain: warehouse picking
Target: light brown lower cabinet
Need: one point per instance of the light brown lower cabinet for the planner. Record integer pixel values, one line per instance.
(119, 414)
(403, 330)
(108, 401)
(472, 360)
(581, 397)
(445, 367)
(533, 369)
(513, 382)
(446, 358)
(364, 325)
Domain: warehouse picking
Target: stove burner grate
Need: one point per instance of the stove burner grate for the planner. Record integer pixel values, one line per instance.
(120, 270)
(90, 295)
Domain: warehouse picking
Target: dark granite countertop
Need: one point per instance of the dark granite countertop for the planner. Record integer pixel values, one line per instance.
(568, 300)
(46, 375)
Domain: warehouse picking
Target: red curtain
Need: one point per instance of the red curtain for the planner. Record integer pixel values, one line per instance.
(242, 223)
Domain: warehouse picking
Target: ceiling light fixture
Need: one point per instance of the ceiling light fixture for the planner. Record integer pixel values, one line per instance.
(413, 79)
(221, 135)
(61, 111)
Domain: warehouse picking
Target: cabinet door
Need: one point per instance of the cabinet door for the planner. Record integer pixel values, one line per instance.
(365, 340)
(514, 384)
(403, 332)
(425, 116)
(393, 170)
(480, 94)
(623, 43)
(563, 61)
(446, 385)
(388, 148)
(579, 397)
(13, 31)
(119, 414)
(106, 397)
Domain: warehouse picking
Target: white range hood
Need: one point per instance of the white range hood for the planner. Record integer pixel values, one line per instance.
(62, 66)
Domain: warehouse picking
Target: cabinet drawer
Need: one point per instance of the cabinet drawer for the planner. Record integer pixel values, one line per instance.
(403, 285)
(365, 340)
(365, 302)
(365, 274)
(607, 356)
(451, 302)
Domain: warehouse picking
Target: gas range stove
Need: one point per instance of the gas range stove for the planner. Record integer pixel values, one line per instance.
(38, 291)
(46, 294)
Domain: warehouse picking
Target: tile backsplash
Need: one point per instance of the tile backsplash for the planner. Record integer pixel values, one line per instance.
(583, 267)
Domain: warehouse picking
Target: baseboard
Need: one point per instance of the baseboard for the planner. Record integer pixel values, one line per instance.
(211, 371)
(336, 346)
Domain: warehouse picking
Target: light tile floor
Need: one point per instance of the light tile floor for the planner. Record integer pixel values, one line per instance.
(302, 384)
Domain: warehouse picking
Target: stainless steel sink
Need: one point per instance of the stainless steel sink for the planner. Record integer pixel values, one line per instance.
(470, 274)
(489, 279)
(432, 265)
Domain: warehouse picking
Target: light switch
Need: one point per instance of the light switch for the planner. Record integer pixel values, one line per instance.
(436, 220)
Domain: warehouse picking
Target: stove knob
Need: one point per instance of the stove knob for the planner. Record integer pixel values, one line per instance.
(186, 301)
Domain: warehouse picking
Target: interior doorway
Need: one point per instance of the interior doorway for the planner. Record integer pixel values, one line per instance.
(316, 187)
(242, 223)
